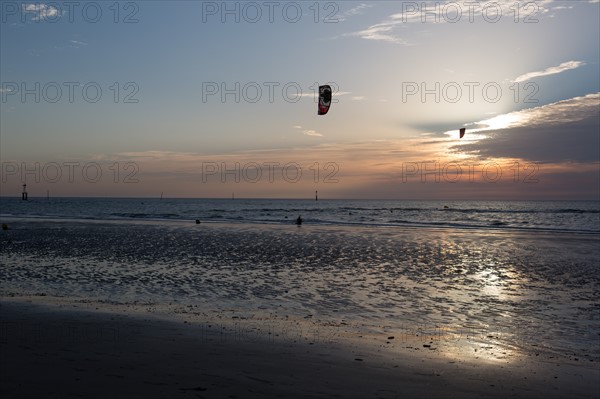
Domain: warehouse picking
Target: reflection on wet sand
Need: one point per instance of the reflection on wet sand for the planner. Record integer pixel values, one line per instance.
(485, 296)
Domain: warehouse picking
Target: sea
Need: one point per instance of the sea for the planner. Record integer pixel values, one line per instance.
(558, 216)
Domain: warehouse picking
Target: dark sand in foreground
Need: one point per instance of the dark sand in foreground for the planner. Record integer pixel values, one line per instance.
(64, 352)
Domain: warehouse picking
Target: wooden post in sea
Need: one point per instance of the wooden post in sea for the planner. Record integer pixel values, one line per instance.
(24, 193)
(316, 195)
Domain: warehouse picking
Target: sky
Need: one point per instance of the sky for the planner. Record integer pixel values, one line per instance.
(206, 99)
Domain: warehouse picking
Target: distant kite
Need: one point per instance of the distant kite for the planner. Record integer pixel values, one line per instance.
(324, 99)
(462, 132)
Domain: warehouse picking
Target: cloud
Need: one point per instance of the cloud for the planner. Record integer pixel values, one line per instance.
(454, 11)
(155, 155)
(380, 32)
(353, 11)
(41, 11)
(77, 43)
(308, 132)
(315, 95)
(312, 133)
(565, 66)
(565, 131)
(441, 12)
(565, 111)
(366, 169)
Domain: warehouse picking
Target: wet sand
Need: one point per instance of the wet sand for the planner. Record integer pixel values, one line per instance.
(535, 292)
(65, 351)
(172, 309)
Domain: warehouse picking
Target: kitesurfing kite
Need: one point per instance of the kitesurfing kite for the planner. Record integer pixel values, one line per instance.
(462, 132)
(324, 99)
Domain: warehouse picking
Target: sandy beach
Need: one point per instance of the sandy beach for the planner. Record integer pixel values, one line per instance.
(68, 351)
(174, 309)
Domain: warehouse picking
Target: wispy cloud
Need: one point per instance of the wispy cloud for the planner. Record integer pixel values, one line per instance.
(437, 12)
(453, 11)
(312, 133)
(316, 95)
(565, 66)
(78, 43)
(41, 11)
(380, 32)
(308, 132)
(359, 9)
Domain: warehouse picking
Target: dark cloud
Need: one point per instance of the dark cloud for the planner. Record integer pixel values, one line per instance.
(566, 131)
(572, 142)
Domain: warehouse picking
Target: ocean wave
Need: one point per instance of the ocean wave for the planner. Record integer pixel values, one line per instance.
(238, 219)
(560, 216)
(146, 215)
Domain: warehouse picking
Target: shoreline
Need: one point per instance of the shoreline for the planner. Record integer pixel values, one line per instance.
(241, 223)
(269, 224)
(98, 353)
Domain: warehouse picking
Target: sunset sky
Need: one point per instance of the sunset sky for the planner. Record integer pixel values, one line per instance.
(202, 99)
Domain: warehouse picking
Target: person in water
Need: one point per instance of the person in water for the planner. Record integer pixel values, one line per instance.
(299, 221)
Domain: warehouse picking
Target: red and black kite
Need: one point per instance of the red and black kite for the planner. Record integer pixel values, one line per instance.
(324, 99)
